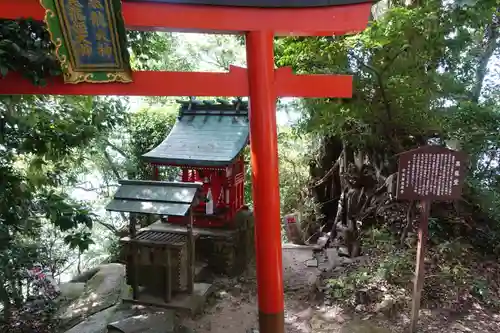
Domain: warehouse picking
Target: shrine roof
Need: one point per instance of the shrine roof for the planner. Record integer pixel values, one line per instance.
(205, 134)
(154, 197)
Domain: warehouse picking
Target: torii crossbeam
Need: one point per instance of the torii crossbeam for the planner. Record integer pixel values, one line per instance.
(260, 21)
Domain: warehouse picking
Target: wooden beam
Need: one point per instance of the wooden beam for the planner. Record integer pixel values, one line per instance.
(322, 21)
(232, 83)
(145, 83)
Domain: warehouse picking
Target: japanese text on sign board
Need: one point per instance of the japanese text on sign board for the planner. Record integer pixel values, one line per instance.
(90, 28)
(430, 173)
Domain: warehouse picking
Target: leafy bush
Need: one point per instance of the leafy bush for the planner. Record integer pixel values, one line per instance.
(38, 315)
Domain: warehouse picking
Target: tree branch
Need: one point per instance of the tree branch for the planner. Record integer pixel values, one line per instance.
(380, 83)
(111, 165)
(117, 149)
(95, 189)
(117, 175)
(109, 226)
(329, 173)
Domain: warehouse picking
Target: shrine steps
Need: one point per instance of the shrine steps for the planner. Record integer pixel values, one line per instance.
(190, 304)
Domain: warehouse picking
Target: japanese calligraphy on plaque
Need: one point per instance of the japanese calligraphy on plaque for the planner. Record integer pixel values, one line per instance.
(90, 40)
(432, 173)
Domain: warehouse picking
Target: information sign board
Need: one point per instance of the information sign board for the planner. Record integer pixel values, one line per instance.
(431, 173)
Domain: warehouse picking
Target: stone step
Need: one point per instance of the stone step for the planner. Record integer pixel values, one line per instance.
(149, 321)
(201, 272)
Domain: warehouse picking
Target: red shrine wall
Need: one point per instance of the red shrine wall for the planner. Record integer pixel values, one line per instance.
(227, 191)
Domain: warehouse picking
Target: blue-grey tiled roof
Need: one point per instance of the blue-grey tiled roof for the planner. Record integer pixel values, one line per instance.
(204, 135)
(154, 197)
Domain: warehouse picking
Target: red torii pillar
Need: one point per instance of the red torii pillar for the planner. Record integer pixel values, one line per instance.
(265, 180)
(261, 82)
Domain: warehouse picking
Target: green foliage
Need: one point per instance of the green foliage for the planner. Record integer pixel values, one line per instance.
(421, 74)
(293, 170)
(25, 47)
(146, 46)
(405, 83)
(148, 128)
(455, 275)
(216, 52)
(345, 286)
(41, 140)
(398, 269)
(118, 155)
(152, 50)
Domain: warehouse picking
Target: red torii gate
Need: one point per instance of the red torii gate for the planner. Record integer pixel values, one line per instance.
(261, 81)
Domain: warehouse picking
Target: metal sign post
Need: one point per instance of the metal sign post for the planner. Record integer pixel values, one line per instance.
(429, 173)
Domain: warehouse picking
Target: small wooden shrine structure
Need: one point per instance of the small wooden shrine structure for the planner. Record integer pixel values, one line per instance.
(158, 262)
(207, 143)
(202, 217)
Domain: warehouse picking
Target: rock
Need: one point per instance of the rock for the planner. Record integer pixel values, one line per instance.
(85, 276)
(360, 308)
(404, 318)
(460, 328)
(72, 290)
(334, 315)
(344, 251)
(96, 323)
(305, 314)
(223, 294)
(362, 259)
(102, 291)
(313, 280)
(386, 306)
(162, 321)
(319, 324)
(346, 261)
(321, 242)
(339, 270)
(304, 327)
(236, 291)
(333, 258)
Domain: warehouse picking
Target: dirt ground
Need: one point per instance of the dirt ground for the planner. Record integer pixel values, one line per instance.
(233, 309)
